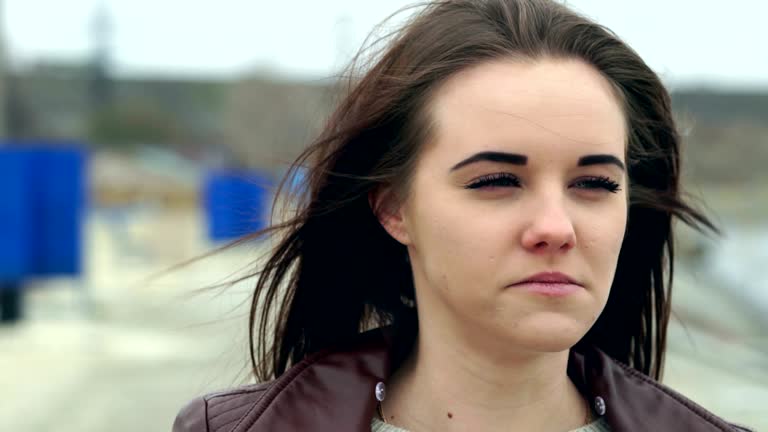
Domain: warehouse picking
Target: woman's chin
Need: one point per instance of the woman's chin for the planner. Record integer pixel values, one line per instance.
(549, 333)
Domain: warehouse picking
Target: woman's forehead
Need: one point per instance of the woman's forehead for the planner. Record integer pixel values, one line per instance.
(550, 104)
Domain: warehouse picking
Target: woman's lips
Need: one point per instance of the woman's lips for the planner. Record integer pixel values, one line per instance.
(549, 289)
(551, 284)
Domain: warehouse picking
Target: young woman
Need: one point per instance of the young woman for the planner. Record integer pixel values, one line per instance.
(486, 243)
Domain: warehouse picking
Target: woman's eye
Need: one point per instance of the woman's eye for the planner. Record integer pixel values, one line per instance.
(494, 180)
(599, 182)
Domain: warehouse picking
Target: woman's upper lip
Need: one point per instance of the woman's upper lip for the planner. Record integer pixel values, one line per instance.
(549, 277)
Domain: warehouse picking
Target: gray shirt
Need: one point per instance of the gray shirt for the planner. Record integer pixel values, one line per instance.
(598, 425)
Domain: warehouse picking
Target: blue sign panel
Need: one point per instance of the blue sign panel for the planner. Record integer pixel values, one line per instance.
(15, 224)
(236, 203)
(47, 207)
(58, 210)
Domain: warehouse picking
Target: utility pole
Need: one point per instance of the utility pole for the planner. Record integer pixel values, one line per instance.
(4, 72)
(100, 83)
(15, 121)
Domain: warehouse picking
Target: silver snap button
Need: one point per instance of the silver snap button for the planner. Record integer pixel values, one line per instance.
(381, 391)
(599, 406)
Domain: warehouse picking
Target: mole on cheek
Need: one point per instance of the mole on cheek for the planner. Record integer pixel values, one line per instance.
(450, 415)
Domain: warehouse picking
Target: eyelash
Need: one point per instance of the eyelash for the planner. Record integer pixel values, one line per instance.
(498, 179)
(505, 179)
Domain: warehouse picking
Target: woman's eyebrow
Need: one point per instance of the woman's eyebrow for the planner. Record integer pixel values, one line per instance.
(492, 156)
(518, 159)
(601, 159)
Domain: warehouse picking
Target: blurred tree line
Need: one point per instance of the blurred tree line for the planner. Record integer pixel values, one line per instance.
(262, 121)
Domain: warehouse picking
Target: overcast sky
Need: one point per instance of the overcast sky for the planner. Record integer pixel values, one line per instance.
(686, 41)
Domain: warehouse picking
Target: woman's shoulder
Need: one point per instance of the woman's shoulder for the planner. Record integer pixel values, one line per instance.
(629, 399)
(215, 411)
(337, 380)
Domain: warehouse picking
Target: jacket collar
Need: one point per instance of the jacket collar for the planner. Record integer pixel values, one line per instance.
(334, 390)
(635, 402)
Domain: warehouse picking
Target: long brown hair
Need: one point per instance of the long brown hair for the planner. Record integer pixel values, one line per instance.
(334, 271)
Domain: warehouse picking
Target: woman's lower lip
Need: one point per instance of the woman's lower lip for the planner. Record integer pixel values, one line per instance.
(549, 289)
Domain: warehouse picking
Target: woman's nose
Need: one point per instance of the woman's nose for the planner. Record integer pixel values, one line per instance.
(550, 230)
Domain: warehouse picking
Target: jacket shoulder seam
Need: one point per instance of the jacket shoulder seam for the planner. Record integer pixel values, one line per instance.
(225, 425)
(277, 387)
(207, 422)
(224, 412)
(259, 389)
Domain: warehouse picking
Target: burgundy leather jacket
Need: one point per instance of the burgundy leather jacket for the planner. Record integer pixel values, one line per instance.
(333, 391)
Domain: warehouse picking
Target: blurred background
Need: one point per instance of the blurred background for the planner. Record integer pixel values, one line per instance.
(135, 135)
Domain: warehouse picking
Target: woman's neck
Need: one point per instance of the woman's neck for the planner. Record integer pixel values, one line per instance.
(446, 386)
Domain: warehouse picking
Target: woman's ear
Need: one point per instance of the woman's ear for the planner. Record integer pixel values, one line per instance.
(389, 212)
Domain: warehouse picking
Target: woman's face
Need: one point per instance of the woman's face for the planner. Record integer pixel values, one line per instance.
(524, 174)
